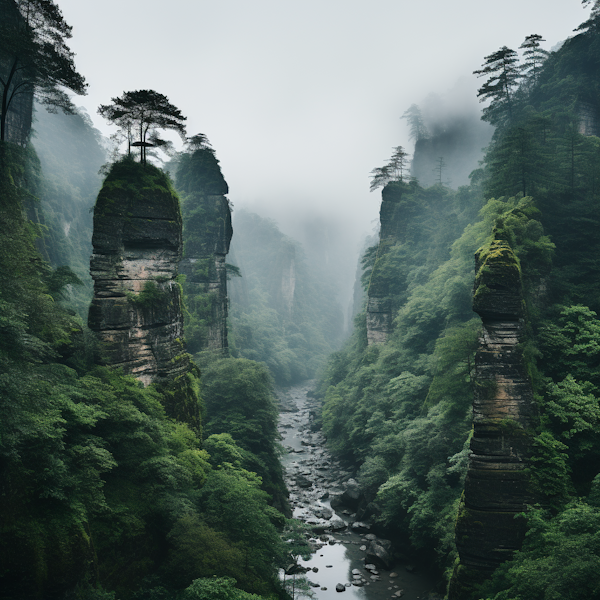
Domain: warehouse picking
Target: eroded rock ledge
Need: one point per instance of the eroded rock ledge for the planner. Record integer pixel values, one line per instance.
(504, 413)
(136, 310)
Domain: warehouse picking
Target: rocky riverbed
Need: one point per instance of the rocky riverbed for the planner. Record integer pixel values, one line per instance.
(348, 556)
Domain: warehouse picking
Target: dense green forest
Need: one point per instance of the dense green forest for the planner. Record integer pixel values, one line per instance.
(101, 491)
(400, 412)
(106, 493)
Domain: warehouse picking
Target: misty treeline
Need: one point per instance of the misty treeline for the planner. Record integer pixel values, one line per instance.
(400, 411)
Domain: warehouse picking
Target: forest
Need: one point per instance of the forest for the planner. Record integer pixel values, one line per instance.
(140, 391)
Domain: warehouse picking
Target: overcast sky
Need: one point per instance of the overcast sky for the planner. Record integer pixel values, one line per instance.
(300, 98)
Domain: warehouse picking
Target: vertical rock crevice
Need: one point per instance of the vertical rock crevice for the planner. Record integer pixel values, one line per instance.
(504, 416)
(136, 310)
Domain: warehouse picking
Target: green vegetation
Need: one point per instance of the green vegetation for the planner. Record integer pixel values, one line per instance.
(400, 411)
(35, 58)
(140, 114)
(103, 493)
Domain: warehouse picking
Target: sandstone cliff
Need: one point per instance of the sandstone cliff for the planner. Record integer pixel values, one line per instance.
(136, 311)
(504, 414)
(207, 235)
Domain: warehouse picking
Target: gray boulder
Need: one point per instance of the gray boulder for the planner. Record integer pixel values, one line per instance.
(379, 552)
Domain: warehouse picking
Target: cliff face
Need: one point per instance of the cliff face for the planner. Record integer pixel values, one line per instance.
(207, 234)
(136, 311)
(379, 301)
(504, 413)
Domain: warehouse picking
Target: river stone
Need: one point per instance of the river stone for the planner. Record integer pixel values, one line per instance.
(370, 536)
(340, 587)
(363, 548)
(393, 574)
(370, 567)
(303, 482)
(323, 512)
(335, 500)
(337, 524)
(379, 553)
(360, 526)
(355, 571)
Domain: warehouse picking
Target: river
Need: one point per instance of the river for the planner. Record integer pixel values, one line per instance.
(313, 478)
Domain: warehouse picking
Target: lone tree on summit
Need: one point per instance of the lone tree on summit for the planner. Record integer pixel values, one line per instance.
(34, 57)
(141, 113)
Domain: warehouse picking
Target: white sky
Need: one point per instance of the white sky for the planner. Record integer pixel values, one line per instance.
(300, 98)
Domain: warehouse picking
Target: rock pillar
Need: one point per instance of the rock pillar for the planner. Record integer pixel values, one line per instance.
(504, 414)
(136, 310)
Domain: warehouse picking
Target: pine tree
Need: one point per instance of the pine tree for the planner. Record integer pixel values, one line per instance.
(414, 117)
(34, 56)
(534, 56)
(144, 111)
(504, 75)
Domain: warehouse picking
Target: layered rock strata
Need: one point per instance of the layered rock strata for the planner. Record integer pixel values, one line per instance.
(504, 414)
(136, 310)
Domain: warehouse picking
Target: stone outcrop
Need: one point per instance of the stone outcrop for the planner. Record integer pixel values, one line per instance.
(207, 235)
(504, 414)
(136, 310)
(382, 302)
(379, 302)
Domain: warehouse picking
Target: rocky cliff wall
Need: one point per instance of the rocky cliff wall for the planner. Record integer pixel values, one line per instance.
(136, 310)
(382, 300)
(205, 269)
(207, 235)
(379, 303)
(504, 414)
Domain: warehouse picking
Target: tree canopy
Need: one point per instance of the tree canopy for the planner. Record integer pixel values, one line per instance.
(142, 113)
(504, 75)
(394, 170)
(34, 56)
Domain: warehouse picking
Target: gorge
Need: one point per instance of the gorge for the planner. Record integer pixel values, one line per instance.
(188, 416)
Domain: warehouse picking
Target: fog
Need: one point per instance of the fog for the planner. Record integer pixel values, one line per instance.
(301, 99)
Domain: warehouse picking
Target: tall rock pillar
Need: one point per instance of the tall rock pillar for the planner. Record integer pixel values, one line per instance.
(504, 414)
(207, 234)
(136, 311)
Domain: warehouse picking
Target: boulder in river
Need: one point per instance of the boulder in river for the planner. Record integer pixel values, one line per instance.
(303, 482)
(360, 526)
(323, 512)
(337, 524)
(340, 587)
(379, 553)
